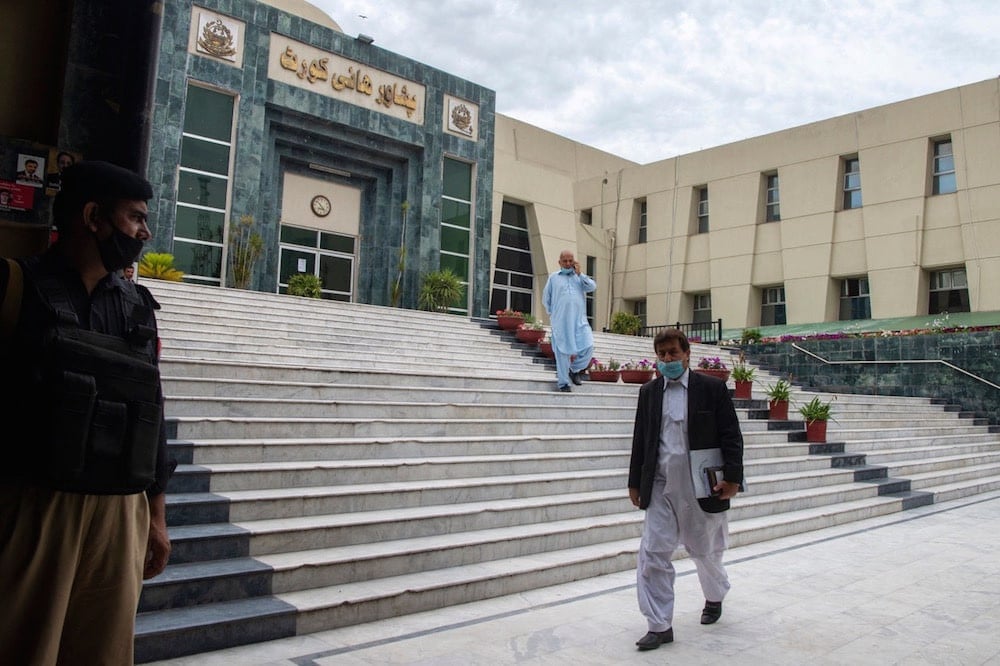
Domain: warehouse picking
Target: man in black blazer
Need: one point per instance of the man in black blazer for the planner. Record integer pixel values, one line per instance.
(682, 416)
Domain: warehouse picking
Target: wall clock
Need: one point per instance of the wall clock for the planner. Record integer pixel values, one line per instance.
(320, 205)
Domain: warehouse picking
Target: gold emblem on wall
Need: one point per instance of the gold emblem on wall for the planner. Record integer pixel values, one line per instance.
(461, 119)
(218, 40)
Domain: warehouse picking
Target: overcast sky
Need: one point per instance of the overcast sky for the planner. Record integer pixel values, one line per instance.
(651, 79)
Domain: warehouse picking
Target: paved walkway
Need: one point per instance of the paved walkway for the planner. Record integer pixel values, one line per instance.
(919, 587)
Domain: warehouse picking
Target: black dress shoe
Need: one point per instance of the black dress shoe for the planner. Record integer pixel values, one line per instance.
(712, 612)
(655, 639)
(575, 378)
(565, 388)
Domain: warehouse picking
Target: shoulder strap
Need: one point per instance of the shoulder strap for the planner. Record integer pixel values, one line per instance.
(11, 308)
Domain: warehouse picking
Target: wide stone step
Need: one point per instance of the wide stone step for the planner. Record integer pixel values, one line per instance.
(208, 451)
(193, 543)
(240, 476)
(384, 409)
(301, 570)
(269, 503)
(216, 625)
(192, 427)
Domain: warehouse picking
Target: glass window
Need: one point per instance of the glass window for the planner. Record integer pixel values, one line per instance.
(852, 183)
(202, 190)
(702, 310)
(455, 213)
(949, 292)
(456, 221)
(639, 310)
(943, 168)
(772, 307)
(457, 180)
(454, 240)
(199, 224)
(641, 235)
(772, 205)
(326, 255)
(200, 262)
(855, 300)
(513, 277)
(203, 184)
(205, 155)
(703, 210)
(209, 114)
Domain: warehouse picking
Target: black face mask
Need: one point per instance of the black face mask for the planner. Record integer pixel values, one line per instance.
(118, 250)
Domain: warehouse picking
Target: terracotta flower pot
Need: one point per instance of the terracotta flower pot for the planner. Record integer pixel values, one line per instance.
(529, 336)
(546, 348)
(636, 376)
(743, 389)
(509, 323)
(779, 410)
(712, 372)
(816, 431)
(602, 375)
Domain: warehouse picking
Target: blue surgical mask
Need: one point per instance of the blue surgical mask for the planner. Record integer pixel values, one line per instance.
(671, 370)
(566, 271)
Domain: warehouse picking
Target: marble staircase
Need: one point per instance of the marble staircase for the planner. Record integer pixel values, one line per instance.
(341, 463)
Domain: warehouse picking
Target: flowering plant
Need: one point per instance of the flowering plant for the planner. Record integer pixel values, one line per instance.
(741, 371)
(644, 364)
(711, 363)
(510, 313)
(531, 325)
(611, 365)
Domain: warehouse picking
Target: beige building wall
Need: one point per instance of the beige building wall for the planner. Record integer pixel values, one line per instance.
(900, 235)
(543, 172)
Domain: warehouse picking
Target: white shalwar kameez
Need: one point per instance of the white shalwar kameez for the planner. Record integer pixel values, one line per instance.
(674, 517)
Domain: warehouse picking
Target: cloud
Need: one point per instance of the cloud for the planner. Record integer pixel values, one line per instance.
(651, 79)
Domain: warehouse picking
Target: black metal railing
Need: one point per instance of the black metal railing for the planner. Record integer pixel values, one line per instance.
(705, 331)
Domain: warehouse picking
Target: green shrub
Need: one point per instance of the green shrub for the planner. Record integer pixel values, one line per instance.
(625, 323)
(305, 284)
(439, 290)
(159, 266)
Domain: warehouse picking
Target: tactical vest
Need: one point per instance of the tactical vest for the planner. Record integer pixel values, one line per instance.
(91, 409)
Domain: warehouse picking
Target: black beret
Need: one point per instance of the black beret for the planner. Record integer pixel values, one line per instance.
(88, 181)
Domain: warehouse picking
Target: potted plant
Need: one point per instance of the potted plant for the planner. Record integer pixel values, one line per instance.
(713, 365)
(439, 290)
(637, 372)
(778, 395)
(545, 346)
(530, 331)
(305, 284)
(509, 320)
(603, 372)
(159, 266)
(743, 376)
(625, 323)
(816, 414)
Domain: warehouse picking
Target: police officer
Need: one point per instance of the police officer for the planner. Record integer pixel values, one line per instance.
(82, 510)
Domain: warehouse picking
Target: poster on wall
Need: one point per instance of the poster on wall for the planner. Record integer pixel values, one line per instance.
(16, 197)
(30, 169)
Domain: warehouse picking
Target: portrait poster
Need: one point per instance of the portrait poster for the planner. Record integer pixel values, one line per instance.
(30, 170)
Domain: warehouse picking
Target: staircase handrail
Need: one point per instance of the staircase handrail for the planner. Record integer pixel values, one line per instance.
(909, 360)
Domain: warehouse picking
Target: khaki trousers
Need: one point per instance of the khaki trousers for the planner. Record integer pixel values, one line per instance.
(70, 575)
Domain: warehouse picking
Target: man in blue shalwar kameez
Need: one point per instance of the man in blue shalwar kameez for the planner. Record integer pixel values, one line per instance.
(565, 301)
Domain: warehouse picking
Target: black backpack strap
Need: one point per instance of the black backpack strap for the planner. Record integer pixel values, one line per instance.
(10, 311)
